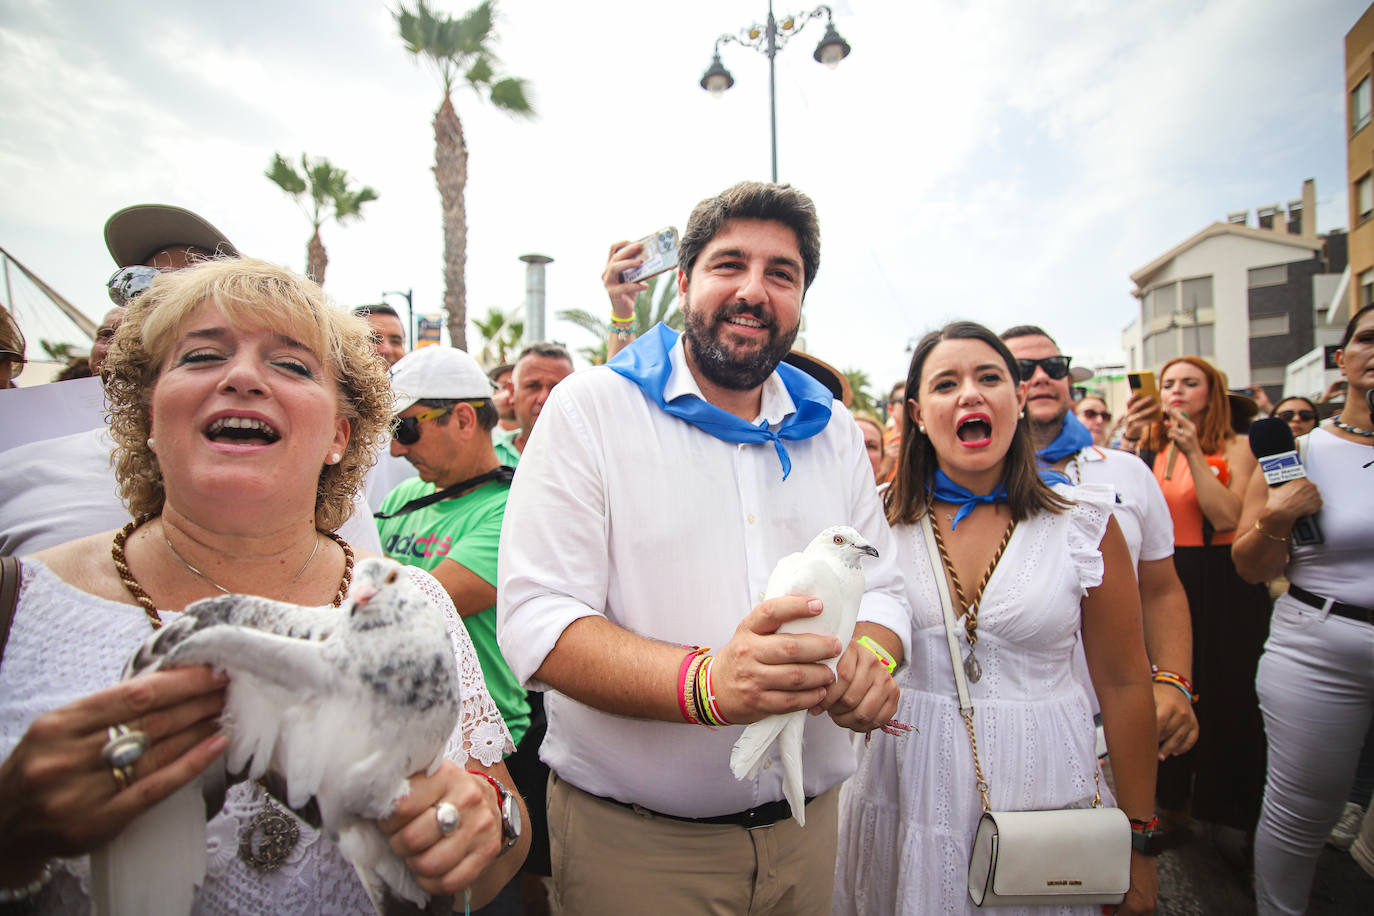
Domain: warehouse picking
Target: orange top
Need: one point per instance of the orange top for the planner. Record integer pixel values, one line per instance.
(1181, 495)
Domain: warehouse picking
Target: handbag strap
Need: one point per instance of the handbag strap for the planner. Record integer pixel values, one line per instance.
(9, 597)
(960, 682)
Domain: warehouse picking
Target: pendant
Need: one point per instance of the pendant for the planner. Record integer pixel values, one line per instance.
(972, 669)
(271, 836)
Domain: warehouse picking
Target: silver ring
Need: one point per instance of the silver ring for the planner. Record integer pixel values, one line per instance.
(447, 816)
(124, 748)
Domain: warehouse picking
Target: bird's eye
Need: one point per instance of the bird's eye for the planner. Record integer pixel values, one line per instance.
(839, 539)
(391, 577)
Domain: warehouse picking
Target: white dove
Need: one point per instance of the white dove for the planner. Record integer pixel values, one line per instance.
(829, 570)
(342, 704)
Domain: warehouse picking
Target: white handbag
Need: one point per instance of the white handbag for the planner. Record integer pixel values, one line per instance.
(1035, 858)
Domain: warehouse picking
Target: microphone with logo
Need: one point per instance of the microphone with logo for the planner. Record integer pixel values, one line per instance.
(1272, 442)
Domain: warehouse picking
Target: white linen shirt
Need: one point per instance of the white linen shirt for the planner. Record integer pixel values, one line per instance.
(622, 510)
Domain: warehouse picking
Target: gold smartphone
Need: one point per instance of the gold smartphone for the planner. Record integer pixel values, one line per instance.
(1144, 383)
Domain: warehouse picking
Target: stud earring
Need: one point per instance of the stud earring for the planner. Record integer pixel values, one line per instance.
(151, 446)
(334, 457)
(921, 428)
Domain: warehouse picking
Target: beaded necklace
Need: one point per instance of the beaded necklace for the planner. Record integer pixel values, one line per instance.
(126, 575)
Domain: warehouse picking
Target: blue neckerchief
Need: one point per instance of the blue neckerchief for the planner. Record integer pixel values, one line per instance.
(1073, 437)
(948, 491)
(645, 362)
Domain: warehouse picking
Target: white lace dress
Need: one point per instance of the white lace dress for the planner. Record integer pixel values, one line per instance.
(66, 643)
(908, 816)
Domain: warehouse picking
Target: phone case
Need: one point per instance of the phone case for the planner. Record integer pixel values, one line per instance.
(660, 255)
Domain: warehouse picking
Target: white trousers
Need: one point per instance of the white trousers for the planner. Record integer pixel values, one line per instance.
(1316, 691)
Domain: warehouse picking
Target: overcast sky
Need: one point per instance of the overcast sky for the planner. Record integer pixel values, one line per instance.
(1001, 160)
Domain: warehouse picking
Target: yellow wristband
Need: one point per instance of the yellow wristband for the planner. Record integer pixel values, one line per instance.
(871, 645)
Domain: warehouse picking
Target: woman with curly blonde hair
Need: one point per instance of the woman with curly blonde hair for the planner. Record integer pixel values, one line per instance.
(245, 411)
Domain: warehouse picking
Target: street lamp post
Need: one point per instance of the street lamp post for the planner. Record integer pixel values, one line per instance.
(768, 40)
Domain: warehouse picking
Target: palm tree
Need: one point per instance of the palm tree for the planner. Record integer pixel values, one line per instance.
(592, 324)
(502, 334)
(461, 51)
(647, 314)
(863, 398)
(646, 317)
(330, 196)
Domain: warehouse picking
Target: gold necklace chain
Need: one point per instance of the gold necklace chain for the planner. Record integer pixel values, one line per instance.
(300, 572)
(970, 608)
(131, 583)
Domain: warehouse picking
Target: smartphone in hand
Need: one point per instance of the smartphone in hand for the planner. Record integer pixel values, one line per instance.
(660, 255)
(1144, 383)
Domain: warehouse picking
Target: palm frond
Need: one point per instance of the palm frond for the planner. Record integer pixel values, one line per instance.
(284, 176)
(584, 320)
(512, 95)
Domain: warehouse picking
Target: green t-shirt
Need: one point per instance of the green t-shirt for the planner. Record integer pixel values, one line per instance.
(466, 530)
(504, 441)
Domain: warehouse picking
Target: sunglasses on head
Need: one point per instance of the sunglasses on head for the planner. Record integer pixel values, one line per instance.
(1103, 415)
(407, 429)
(1288, 415)
(1056, 367)
(128, 283)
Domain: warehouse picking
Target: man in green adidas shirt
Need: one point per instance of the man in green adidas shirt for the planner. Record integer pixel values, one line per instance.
(448, 521)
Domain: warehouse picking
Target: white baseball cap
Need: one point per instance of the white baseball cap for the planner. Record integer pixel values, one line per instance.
(437, 373)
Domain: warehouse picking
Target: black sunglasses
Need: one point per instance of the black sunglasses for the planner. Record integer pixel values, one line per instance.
(407, 429)
(15, 359)
(1056, 367)
(1288, 415)
(1104, 415)
(128, 283)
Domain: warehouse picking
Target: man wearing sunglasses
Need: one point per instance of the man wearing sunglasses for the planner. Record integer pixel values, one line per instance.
(448, 521)
(1063, 442)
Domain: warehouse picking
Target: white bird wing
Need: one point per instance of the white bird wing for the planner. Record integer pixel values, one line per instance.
(816, 577)
(814, 573)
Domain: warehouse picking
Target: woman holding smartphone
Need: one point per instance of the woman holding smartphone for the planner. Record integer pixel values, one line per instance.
(1203, 468)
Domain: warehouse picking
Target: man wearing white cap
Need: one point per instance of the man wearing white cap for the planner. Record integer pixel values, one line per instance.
(448, 520)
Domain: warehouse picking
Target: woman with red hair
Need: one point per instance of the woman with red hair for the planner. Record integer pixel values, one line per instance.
(1203, 468)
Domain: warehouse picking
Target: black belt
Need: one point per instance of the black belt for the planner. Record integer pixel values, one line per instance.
(1339, 608)
(762, 816)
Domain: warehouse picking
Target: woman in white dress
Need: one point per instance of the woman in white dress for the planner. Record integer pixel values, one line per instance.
(1038, 564)
(246, 411)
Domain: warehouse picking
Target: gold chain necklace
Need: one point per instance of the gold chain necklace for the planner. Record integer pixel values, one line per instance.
(972, 668)
(300, 572)
(131, 583)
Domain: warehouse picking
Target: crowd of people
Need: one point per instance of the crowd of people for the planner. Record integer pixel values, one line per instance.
(1063, 612)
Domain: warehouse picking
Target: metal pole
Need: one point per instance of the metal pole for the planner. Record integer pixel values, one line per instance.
(534, 295)
(773, 88)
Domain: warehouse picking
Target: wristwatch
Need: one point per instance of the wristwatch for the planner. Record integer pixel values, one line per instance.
(1147, 842)
(511, 825)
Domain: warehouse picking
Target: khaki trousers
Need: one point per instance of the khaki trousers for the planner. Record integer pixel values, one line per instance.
(608, 859)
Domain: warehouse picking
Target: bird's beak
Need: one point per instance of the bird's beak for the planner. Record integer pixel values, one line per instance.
(361, 595)
(867, 548)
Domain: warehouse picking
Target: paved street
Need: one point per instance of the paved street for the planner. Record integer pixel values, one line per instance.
(1195, 879)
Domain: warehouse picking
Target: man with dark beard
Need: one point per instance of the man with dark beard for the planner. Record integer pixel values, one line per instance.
(653, 500)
